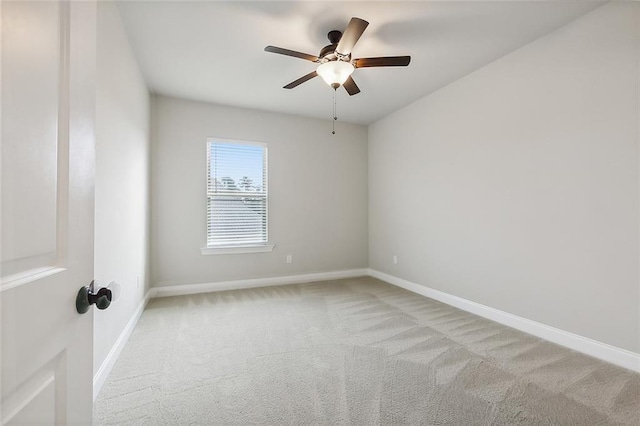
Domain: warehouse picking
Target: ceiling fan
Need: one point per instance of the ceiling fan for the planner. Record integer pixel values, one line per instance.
(336, 65)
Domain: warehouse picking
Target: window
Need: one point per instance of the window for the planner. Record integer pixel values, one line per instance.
(236, 197)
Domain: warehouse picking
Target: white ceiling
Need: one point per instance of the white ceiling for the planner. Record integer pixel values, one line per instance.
(213, 51)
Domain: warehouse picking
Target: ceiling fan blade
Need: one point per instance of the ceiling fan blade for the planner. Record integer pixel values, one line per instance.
(281, 51)
(300, 80)
(386, 61)
(351, 35)
(351, 86)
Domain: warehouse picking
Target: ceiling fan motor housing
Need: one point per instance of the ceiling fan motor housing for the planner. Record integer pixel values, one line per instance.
(329, 51)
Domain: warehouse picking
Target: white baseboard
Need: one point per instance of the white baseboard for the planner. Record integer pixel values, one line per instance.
(603, 351)
(179, 290)
(107, 365)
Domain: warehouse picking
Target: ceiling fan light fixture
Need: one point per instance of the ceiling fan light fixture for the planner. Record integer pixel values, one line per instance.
(335, 73)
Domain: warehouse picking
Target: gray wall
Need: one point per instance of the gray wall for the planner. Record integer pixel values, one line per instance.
(317, 193)
(122, 179)
(517, 186)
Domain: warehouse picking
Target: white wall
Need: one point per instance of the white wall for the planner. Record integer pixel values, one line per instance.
(517, 186)
(122, 179)
(317, 193)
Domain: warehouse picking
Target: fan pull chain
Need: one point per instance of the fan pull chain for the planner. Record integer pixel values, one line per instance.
(335, 117)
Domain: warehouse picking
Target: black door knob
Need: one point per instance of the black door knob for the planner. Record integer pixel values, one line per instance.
(86, 297)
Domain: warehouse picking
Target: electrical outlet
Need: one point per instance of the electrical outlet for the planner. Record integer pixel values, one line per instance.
(395, 259)
(289, 258)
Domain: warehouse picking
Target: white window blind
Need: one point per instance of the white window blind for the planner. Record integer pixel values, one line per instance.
(236, 193)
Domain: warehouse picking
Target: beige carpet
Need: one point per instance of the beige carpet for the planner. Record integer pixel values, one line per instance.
(355, 351)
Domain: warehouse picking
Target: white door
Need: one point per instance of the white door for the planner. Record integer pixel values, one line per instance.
(48, 103)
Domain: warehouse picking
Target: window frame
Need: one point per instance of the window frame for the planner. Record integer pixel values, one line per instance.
(237, 248)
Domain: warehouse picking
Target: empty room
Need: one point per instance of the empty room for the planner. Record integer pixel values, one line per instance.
(320, 213)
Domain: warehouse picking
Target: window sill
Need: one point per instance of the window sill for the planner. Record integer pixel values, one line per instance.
(239, 249)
